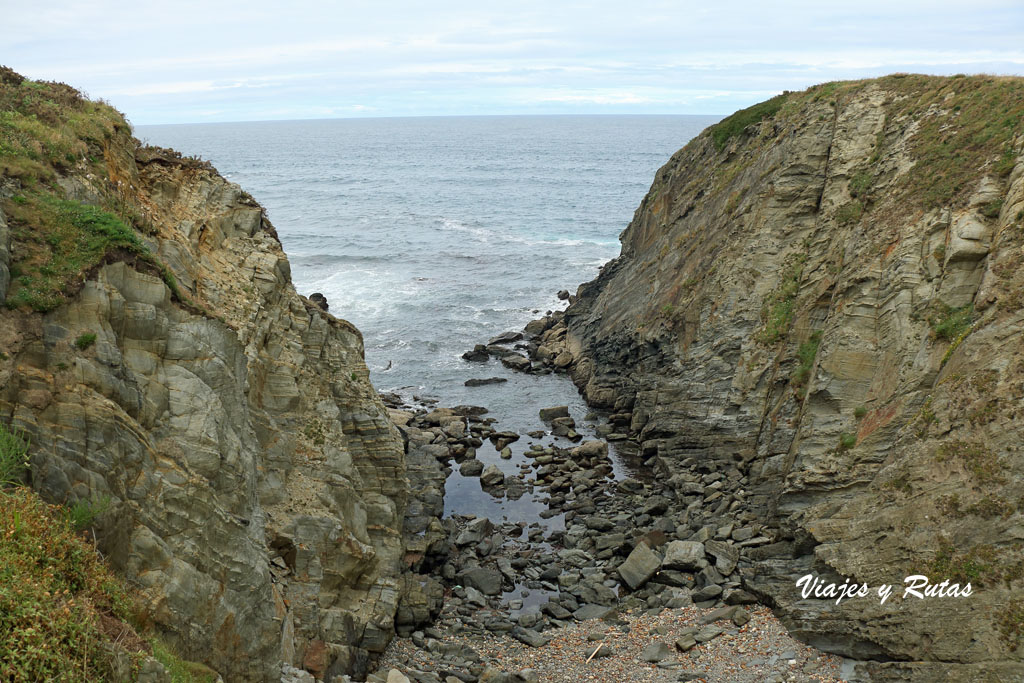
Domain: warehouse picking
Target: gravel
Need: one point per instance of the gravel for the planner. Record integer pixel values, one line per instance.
(759, 651)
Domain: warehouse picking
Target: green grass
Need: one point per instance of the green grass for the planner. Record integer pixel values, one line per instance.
(13, 457)
(806, 354)
(777, 310)
(849, 213)
(950, 323)
(860, 411)
(847, 441)
(84, 341)
(83, 513)
(180, 670)
(60, 241)
(734, 125)
(860, 184)
(1011, 624)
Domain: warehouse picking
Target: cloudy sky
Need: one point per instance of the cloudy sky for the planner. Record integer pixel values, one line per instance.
(189, 60)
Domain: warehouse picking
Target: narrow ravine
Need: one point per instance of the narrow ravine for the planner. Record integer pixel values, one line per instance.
(560, 554)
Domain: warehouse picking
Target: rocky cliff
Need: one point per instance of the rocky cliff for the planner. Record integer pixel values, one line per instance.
(822, 296)
(163, 367)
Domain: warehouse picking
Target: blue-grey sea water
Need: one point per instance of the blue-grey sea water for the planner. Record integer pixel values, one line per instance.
(434, 234)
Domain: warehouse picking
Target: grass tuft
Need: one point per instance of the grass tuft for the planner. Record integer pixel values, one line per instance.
(734, 125)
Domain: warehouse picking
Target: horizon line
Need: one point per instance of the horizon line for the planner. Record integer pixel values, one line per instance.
(423, 116)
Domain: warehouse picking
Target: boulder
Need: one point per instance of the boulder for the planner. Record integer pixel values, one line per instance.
(684, 556)
(492, 476)
(641, 565)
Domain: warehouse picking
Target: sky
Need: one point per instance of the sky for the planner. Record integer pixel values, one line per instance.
(202, 61)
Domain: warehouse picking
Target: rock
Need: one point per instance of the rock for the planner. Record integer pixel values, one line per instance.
(655, 652)
(492, 476)
(320, 300)
(587, 612)
(475, 531)
(516, 362)
(684, 556)
(720, 614)
(395, 676)
(590, 450)
(471, 468)
(482, 382)
(487, 581)
(549, 414)
(686, 643)
(563, 294)
(556, 611)
(506, 338)
(707, 593)
(707, 633)
(726, 555)
(740, 617)
(506, 453)
(478, 354)
(530, 637)
(737, 596)
(640, 566)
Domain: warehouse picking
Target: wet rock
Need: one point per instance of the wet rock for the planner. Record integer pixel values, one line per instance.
(506, 338)
(475, 531)
(563, 294)
(549, 414)
(482, 382)
(471, 468)
(516, 362)
(478, 354)
(320, 300)
(492, 476)
(640, 566)
(592, 612)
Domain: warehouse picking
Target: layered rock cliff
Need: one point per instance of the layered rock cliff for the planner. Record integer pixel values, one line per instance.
(160, 362)
(825, 292)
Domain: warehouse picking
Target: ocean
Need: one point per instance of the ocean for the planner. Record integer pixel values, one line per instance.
(434, 234)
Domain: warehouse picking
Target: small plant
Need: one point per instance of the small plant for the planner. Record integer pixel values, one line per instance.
(981, 463)
(806, 354)
(84, 341)
(83, 513)
(860, 184)
(13, 457)
(849, 213)
(1011, 624)
(859, 412)
(667, 310)
(847, 441)
(900, 484)
(777, 311)
(991, 209)
(949, 323)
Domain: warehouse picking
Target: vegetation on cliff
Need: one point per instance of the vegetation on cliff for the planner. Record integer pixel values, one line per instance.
(48, 130)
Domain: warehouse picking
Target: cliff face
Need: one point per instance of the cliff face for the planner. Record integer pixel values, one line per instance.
(256, 485)
(825, 291)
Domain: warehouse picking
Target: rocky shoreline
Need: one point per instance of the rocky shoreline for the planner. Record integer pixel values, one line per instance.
(611, 551)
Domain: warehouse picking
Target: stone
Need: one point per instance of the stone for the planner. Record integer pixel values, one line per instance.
(549, 414)
(655, 652)
(471, 468)
(487, 581)
(396, 676)
(478, 354)
(492, 476)
(516, 362)
(506, 338)
(587, 612)
(640, 565)
(530, 637)
(726, 555)
(484, 381)
(684, 556)
(563, 294)
(686, 643)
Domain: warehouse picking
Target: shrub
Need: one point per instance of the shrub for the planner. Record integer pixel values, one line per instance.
(991, 209)
(847, 441)
(84, 341)
(777, 311)
(859, 412)
(1011, 624)
(860, 184)
(981, 463)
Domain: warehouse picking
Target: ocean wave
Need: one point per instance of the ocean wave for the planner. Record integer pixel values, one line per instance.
(489, 235)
